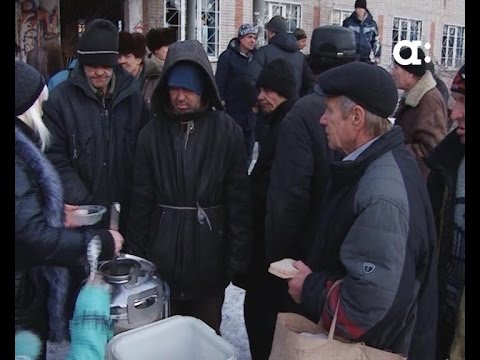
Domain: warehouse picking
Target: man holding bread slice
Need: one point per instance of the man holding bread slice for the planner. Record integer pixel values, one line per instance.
(378, 231)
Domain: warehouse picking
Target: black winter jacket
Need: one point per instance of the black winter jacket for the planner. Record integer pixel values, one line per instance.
(43, 246)
(378, 235)
(190, 210)
(283, 45)
(93, 145)
(444, 162)
(298, 181)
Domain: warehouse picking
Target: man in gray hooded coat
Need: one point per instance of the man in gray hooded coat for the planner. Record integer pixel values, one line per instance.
(190, 213)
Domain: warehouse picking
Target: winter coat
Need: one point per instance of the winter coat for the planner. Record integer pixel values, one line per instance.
(366, 35)
(283, 45)
(444, 162)
(422, 115)
(298, 181)
(237, 93)
(378, 234)
(190, 213)
(151, 74)
(43, 246)
(260, 180)
(93, 145)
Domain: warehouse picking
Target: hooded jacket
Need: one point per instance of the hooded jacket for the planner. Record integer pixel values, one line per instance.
(43, 246)
(190, 213)
(93, 140)
(283, 45)
(378, 234)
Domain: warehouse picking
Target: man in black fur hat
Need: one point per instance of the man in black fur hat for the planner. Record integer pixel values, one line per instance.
(158, 41)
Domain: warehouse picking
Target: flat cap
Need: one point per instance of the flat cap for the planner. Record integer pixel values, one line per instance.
(368, 85)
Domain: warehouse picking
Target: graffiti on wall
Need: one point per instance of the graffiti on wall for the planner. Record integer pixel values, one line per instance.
(38, 22)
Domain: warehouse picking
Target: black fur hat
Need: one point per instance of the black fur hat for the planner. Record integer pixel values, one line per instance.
(157, 38)
(131, 43)
(99, 44)
(278, 76)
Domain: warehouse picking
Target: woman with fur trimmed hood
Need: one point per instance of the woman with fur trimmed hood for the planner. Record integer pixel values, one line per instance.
(45, 241)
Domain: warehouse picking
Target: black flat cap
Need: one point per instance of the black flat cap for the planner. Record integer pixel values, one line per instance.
(368, 85)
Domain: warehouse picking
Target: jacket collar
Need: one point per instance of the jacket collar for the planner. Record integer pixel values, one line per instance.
(415, 94)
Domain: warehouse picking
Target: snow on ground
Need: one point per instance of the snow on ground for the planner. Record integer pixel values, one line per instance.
(232, 328)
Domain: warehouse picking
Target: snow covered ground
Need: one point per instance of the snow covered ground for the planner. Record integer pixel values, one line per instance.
(232, 328)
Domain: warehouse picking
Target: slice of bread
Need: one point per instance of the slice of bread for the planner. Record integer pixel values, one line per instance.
(283, 268)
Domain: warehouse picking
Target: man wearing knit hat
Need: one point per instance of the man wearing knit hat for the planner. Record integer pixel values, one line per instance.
(446, 184)
(147, 72)
(366, 32)
(421, 113)
(377, 231)
(282, 45)
(237, 94)
(95, 117)
(190, 205)
(276, 85)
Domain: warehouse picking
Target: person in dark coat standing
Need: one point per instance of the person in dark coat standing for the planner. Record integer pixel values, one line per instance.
(44, 246)
(238, 96)
(95, 117)
(300, 173)
(276, 85)
(377, 233)
(446, 184)
(282, 45)
(366, 32)
(190, 213)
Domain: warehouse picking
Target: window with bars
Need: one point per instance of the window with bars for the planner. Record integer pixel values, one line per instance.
(173, 15)
(338, 15)
(405, 29)
(453, 46)
(291, 12)
(208, 26)
(207, 22)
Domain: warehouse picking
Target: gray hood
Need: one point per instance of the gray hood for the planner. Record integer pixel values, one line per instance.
(188, 50)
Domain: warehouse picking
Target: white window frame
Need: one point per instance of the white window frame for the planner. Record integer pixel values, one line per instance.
(212, 42)
(282, 8)
(342, 15)
(181, 6)
(411, 35)
(451, 59)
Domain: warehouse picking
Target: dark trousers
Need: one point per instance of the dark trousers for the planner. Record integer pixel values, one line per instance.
(208, 310)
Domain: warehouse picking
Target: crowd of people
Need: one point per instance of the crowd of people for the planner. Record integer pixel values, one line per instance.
(352, 180)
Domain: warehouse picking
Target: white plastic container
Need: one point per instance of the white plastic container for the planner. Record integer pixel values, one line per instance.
(175, 338)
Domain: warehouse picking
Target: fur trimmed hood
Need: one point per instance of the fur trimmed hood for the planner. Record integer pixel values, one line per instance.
(50, 187)
(415, 94)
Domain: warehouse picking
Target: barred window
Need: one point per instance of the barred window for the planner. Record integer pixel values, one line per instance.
(453, 46)
(338, 16)
(406, 29)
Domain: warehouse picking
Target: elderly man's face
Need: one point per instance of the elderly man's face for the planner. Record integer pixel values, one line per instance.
(99, 76)
(184, 101)
(269, 100)
(130, 63)
(339, 127)
(458, 114)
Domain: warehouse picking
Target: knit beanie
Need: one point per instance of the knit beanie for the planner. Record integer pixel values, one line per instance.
(157, 38)
(29, 84)
(186, 75)
(362, 4)
(277, 24)
(417, 70)
(458, 84)
(131, 43)
(98, 45)
(278, 76)
(246, 29)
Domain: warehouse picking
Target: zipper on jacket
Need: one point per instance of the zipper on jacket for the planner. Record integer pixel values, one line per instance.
(107, 120)
(74, 147)
(190, 129)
